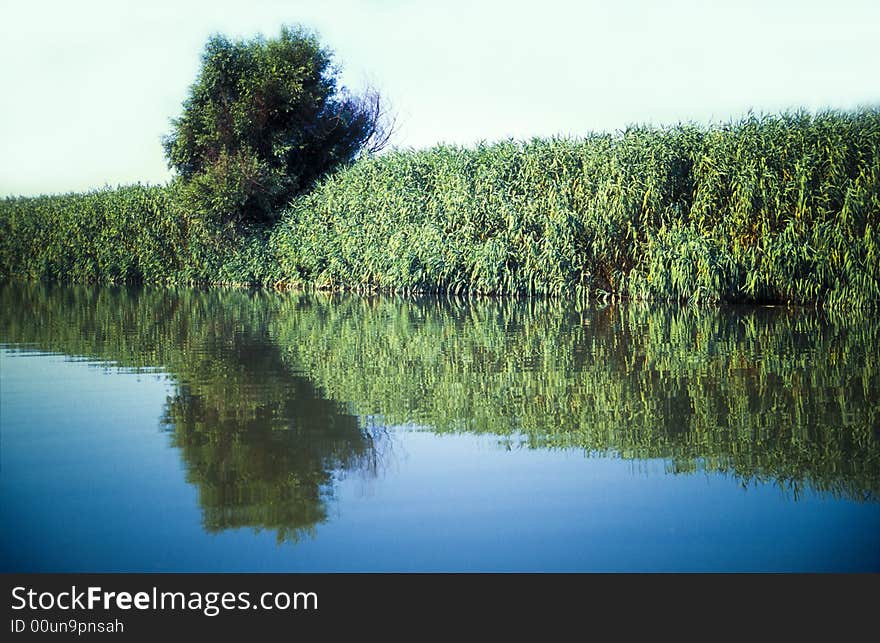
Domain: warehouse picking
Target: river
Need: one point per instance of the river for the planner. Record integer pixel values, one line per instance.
(158, 429)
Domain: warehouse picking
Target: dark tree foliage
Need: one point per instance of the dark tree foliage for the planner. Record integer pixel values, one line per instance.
(264, 120)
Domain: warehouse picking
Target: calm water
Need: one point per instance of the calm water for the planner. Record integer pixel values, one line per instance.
(182, 430)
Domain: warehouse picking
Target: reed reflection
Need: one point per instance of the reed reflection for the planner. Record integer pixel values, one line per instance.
(277, 395)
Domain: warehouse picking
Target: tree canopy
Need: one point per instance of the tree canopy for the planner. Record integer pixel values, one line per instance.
(264, 120)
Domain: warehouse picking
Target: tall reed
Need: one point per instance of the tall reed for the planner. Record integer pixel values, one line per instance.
(773, 208)
(128, 234)
(779, 209)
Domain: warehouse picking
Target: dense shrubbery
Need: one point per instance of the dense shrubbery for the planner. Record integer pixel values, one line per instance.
(769, 209)
(127, 234)
(262, 122)
(772, 209)
(130, 233)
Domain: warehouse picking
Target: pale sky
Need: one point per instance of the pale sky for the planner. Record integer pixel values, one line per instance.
(89, 86)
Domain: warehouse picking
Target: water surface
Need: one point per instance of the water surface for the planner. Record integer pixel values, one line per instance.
(184, 430)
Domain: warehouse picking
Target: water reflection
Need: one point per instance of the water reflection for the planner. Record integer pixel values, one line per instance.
(766, 394)
(259, 442)
(276, 395)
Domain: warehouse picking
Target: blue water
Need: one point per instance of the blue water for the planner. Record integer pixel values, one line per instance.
(99, 472)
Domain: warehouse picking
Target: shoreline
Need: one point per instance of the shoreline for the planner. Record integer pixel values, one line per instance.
(781, 210)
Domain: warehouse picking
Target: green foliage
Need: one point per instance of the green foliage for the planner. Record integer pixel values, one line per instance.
(112, 235)
(127, 234)
(263, 121)
(781, 209)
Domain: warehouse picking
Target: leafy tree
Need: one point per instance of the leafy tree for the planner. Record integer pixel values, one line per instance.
(263, 121)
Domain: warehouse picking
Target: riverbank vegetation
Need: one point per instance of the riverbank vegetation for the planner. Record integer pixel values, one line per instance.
(767, 209)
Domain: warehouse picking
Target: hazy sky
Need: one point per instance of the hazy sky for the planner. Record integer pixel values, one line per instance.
(89, 87)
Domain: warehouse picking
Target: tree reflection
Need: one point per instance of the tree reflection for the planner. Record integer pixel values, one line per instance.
(277, 395)
(260, 443)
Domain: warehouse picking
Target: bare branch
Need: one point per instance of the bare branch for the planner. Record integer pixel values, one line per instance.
(382, 121)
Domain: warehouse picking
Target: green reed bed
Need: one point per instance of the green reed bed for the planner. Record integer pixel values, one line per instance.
(780, 209)
(110, 235)
(126, 234)
(777, 208)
